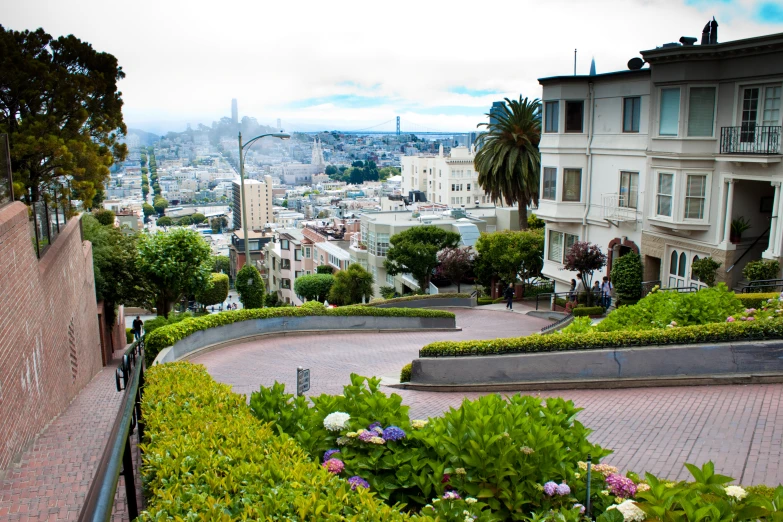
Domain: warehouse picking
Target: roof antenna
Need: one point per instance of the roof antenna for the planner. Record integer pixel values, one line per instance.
(574, 62)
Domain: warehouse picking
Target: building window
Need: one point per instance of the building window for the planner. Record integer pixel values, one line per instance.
(701, 112)
(631, 113)
(298, 274)
(297, 254)
(274, 263)
(549, 184)
(382, 244)
(664, 195)
(670, 112)
(695, 196)
(771, 107)
(552, 112)
(559, 245)
(468, 186)
(307, 252)
(629, 190)
(285, 283)
(389, 279)
(285, 264)
(284, 244)
(574, 116)
(572, 184)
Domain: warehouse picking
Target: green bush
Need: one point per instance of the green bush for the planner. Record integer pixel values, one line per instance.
(419, 298)
(324, 269)
(756, 300)
(627, 274)
(250, 287)
(314, 286)
(578, 325)
(707, 333)
(216, 292)
(405, 373)
(129, 337)
(387, 292)
(162, 337)
(485, 301)
(582, 311)
(206, 457)
(104, 217)
(761, 270)
(705, 269)
(313, 305)
(164, 221)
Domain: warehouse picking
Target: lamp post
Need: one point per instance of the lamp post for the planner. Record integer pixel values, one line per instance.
(280, 135)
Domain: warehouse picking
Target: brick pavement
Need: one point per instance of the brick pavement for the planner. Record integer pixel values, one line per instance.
(53, 475)
(650, 429)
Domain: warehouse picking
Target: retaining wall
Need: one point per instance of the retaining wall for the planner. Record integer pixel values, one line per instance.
(230, 333)
(433, 302)
(653, 362)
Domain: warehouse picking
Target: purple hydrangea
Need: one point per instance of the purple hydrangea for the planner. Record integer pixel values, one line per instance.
(451, 495)
(563, 489)
(329, 454)
(358, 482)
(550, 488)
(581, 508)
(393, 433)
(334, 466)
(365, 436)
(374, 425)
(621, 486)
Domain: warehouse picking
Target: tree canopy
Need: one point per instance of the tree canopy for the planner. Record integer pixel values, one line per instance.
(455, 264)
(508, 160)
(351, 286)
(415, 251)
(250, 287)
(174, 263)
(509, 255)
(60, 106)
(216, 292)
(314, 287)
(585, 258)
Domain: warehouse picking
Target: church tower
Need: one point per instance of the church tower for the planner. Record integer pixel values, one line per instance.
(318, 153)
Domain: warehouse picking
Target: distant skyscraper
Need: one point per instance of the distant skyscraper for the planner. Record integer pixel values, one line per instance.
(497, 107)
(234, 112)
(279, 124)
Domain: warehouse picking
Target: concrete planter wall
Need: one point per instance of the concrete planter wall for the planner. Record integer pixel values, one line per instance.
(433, 302)
(676, 362)
(230, 333)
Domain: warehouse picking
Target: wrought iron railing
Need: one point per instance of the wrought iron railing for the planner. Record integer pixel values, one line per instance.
(584, 298)
(750, 138)
(762, 285)
(117, 457)
(48, 216)
(6, 180)
(647, 286)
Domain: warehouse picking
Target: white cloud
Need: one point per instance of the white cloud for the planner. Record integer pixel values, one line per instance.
(185, 60)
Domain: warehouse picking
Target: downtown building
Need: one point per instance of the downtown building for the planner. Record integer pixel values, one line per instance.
(661, 160)
(259, 203)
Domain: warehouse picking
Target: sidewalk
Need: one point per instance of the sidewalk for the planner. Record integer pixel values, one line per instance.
(53, 476)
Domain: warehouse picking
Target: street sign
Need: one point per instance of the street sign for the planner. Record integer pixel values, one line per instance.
(302, 380)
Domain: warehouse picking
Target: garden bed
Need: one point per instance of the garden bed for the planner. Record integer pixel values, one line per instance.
(427, 301)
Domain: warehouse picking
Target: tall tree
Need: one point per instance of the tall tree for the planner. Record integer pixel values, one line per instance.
(508, 161)
(509, 255)
(174, 263)
(314, 287)
(351, 286)
(250, 287)
(455, 264)
(60, 106)
(415, 251)
(585, 258)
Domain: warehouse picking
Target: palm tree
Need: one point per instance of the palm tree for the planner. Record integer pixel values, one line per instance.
(508, 161)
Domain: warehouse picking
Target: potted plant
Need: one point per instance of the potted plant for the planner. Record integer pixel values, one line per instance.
(738, 226)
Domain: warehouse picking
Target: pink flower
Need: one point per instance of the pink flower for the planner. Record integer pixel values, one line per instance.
(751, 318)
(750, 311)
(730, 319)
(334, 466)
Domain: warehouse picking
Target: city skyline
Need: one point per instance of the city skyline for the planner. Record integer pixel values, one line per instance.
(318, 66)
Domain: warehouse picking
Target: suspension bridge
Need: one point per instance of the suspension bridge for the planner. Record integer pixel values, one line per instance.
(398, 126)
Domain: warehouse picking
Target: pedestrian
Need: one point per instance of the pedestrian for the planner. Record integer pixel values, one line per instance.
(580, 287)
(607, 289)
(508, 294)
(597, 293)
(572, 290)
(234, 306)
(137, 326)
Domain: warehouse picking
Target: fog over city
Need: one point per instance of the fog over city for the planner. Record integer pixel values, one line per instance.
(351, 64)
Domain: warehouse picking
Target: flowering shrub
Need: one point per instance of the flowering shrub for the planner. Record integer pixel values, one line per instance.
(336, 421)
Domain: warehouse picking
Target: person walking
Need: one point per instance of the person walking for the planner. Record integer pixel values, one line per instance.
(508, 294)
(138, 324)
(607, 288)
(572, 290)
(580, 287)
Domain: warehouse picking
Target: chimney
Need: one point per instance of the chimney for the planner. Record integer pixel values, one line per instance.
(705, 34)
(713, 31)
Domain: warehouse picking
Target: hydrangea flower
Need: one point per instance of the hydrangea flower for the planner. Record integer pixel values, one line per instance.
(527, 450)
(642, 487)
(334, 466)
(470, 500)
(342, 441)
(620, 485)
(451, 495)
(365, 435)
(730, 319)
(563, 489)
(358, 482)
(393, 433)
(750, 318)
(377, 440)
(460, 471)
(630, 512)
(374, 425)
(604, 469)
(328, 454)
(418, 423)
(336, 421)
(581, 508)
(750, 311)
(736, 492)
(550, 488)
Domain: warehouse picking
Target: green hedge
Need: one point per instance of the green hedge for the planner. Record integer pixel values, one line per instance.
(206, 457)
(756, 300)
(129, 337)
(706, 333)
(482, 301)
(582, 311)
(168, 335)
(417, 298)
(405, 373)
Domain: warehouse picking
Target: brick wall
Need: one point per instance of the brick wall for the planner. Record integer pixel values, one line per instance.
(49, 341)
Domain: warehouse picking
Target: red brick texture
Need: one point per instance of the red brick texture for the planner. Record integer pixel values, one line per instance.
(49, 341)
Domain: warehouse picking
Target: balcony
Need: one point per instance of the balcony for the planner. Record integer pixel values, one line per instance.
(750, 139)
(616, 208)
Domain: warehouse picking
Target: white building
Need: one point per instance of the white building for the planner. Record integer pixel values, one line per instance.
(259, 203)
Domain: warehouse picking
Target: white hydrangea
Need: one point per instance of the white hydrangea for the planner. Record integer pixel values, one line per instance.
(629, 510)
(736, 492)
(336, 421)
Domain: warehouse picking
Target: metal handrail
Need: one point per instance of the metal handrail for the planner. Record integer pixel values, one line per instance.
(571, 295)
(729, 269)
(117, 457)
(757, 284)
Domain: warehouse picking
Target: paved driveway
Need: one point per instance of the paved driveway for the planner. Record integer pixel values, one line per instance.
(650, 429)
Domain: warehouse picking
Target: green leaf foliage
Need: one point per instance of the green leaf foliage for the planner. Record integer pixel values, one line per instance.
(761, 270)
(104, 217)
(582, 311)
(206, 457)
(250, 287)
(197, 218)
(424, 297)
(129, 335)
(705, 270)
(627, 274)
(216, 292)
(405, 373)
(165, 221)
(756, 300)
(314, 286)
(221, 264)
(351, 286)
(508, 255)
(324, 269)
(415, 251)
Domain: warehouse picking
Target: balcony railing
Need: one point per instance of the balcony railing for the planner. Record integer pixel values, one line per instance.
(750, 139)
(616, 207)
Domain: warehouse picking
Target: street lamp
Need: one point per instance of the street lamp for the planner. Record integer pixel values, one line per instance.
(280, 135)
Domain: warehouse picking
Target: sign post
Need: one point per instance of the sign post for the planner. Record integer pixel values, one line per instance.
(302, 381)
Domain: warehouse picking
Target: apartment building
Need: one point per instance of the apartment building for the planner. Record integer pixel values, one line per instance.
(445, 179)
(259, 203)
(286, 258)
(662, 160)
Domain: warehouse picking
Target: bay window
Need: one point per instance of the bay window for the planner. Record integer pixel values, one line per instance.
(559, 245)
(551, 115)
(664, 194)
(549, 183)
(670, 112)
(695, 196)
(572, 184)
(701, 112)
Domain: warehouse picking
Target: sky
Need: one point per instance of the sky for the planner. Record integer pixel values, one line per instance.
(349, 65)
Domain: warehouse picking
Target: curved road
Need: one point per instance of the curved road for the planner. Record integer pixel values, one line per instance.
(650, 429)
